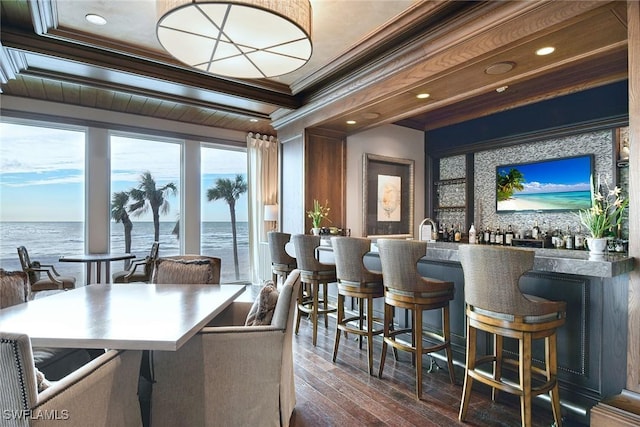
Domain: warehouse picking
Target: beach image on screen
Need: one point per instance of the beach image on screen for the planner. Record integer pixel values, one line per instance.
(559, 184)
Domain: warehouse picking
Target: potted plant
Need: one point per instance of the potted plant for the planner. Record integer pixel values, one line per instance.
(318, 213)
(605, 214)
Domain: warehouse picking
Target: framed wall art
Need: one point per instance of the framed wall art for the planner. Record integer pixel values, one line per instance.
(387, 206)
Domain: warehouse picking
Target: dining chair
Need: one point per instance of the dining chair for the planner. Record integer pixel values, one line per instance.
(405, 288)
(139, 270)
(187, 269)
(43, 277)
(496, 305)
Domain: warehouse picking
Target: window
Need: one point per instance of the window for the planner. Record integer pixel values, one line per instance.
(224, 179)
(145, 177)
(42, 194)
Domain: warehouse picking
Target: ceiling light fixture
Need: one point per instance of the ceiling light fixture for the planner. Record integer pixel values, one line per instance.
(239, 38)
(423, 95)
(95, 19)
(502, 88)
(351, 122)
(545, 50)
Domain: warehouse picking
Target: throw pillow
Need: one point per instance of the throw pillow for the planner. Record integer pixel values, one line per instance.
(42, 382)
(194, 271)
(34, 276)
(263, 307)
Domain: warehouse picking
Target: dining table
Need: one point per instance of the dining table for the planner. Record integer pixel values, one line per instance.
(98, 259)
(131, 316)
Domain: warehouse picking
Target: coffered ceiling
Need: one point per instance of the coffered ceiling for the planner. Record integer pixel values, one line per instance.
(370, 60)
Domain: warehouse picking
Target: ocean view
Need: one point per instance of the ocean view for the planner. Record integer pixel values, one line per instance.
(48, 241)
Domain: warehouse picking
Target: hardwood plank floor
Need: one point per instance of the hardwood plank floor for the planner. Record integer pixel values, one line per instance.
(343, 394)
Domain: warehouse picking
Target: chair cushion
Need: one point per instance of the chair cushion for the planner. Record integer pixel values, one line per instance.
(56, 363)
(34, 276)
(13, 288)
(261, 311)
(183, 271)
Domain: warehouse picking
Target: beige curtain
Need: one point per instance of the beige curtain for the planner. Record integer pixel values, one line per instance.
(262, 177)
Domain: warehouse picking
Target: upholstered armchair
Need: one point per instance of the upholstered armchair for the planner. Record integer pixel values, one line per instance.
(231, 375)
(140, 270)
(101, 393)
(187, 270)
(43, 277)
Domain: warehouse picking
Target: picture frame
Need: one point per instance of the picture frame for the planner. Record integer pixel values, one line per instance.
(388, 197)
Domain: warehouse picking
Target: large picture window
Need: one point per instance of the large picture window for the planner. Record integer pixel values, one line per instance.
(42, 178)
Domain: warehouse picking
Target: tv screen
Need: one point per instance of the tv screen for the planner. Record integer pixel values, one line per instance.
(550, 185)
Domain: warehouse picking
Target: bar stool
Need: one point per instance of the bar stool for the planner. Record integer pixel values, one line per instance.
(281, 262)
(405, 288)
(496, 305)
(313, 274)
(356, 281)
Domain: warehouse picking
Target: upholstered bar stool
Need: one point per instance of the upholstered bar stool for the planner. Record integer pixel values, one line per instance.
(313, 274)
(495, 304)
(356, 281)
(281, 262)
(405, 288)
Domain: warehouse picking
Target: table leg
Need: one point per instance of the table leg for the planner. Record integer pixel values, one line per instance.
(98, 272)
(88, 278)
(107, 272)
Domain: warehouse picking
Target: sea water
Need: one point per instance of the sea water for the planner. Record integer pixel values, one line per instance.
(46, 242)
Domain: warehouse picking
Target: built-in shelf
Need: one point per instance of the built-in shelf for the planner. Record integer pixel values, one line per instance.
(451, 208)
(452, 181)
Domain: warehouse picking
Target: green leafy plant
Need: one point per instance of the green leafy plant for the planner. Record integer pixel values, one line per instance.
(606, 212)
(318, 213)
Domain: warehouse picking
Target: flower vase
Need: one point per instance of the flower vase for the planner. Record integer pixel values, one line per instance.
(597, 247)
(315, 231)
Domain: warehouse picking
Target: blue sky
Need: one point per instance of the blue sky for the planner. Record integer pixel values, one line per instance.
(42, 173)
(557, 175)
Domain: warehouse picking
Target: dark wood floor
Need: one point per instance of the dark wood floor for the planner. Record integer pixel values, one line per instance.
(343, 394)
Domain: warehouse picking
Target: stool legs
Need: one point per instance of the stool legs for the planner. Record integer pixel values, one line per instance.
(309, 303)
(470, 365)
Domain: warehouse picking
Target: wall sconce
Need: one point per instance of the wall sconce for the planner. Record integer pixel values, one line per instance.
(271, 214)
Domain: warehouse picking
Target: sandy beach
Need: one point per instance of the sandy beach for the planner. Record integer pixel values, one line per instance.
(515, 204)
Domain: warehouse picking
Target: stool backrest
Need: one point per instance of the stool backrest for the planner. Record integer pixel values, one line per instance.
(349, 253)
(277, 242)
(399, 259)
(491, 278)
(305, 246)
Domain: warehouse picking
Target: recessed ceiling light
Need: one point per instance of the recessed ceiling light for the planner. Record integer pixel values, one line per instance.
(423, 95)
(253, 120)
(95, 19)
(370, 116)
(502, 88)
(351, 122)
(545, 50)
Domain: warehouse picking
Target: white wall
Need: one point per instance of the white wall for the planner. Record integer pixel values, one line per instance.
(390, 141)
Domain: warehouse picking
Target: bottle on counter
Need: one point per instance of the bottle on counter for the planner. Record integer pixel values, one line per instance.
(472, 234)
(486, 236)
(492, 238)
(535, 231)
(508, 236)
(499, 237)
(578, 241)
(452, 233)
(445, 233)
(568, 239)
(457, 235)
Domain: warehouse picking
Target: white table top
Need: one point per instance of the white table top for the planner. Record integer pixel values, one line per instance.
(134, 316)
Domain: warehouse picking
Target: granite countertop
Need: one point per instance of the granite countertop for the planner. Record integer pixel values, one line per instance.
(548, 260)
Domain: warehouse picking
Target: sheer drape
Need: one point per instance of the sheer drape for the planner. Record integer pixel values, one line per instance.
(262, 178)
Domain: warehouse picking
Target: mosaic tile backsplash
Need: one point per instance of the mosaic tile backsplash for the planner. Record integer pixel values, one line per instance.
(599, 143)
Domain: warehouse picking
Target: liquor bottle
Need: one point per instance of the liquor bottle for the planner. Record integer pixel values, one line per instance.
(568, 239)
(445, 233)
(486, 236)
(440, 232)
(535, 231)
(499, 237)
(578, 241)
(457, 234)
(452, 233)
(472, 234)
(508, 236)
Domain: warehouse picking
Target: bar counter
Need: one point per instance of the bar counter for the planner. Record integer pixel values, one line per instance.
(592, 344)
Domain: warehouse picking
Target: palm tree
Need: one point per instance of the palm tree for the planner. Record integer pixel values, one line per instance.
(119, 213)
(508, 183)
(148, 196)
(230, 191)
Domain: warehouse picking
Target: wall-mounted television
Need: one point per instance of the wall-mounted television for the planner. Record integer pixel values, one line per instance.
(562, 184)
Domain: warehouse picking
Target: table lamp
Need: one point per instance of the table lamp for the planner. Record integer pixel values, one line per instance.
(271, 214)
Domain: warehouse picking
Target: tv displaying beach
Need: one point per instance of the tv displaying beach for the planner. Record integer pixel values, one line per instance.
(550, 185)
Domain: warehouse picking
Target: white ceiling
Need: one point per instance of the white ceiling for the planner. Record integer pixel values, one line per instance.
(337, 25)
